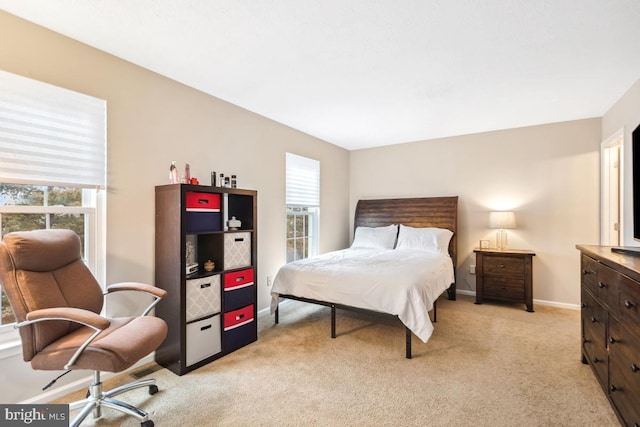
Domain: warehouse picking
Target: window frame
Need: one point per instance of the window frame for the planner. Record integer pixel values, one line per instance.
(302, 187)
(313, 213)
(52, 136)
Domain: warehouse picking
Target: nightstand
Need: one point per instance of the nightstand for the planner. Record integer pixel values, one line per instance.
(504, 275)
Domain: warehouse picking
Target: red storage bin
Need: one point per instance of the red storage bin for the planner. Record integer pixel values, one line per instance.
(208, 202)
(237, 318)
(238, 279)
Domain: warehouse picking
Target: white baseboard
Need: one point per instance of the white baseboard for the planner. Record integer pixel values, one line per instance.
(463, 292)
(535, 301)
(79, 384)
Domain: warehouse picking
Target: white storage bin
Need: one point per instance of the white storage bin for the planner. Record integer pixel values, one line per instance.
(237, 250)
(203, 297)
(203, 339)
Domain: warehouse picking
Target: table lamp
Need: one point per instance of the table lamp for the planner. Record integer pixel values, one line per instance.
(502, 221)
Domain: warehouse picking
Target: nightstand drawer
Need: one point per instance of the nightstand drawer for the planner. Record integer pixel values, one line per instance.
(503, 266)
(509, 289)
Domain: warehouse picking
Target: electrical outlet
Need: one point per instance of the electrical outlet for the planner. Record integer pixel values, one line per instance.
(268, 281)
(472, 269)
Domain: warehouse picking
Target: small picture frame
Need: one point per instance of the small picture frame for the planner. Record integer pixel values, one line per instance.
(484, 244)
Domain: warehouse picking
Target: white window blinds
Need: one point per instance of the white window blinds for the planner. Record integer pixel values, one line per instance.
(50, 135)
(303, 181)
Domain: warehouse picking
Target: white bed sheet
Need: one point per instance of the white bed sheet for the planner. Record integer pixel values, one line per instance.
(404, 283)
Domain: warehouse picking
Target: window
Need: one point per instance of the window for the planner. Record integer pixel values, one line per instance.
(303, 207)
(52, 167)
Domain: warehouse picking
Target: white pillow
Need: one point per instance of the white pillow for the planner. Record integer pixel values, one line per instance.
(435, 240)
(375, 237)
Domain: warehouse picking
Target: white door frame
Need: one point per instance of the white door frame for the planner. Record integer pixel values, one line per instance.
(612, 146)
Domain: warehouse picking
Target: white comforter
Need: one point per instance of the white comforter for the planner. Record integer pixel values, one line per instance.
(404, 283)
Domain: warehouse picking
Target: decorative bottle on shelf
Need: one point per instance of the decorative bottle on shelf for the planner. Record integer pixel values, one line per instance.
(173, 173)
(234, 182)
(187, 173)
(221, 181)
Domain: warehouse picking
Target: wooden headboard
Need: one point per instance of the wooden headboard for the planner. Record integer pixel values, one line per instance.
(441, 212)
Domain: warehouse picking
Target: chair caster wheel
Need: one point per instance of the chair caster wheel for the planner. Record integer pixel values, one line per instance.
(147, 423)
(153, 389)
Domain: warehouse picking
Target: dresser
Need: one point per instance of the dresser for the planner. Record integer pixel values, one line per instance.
(504, 275)
(610, 318)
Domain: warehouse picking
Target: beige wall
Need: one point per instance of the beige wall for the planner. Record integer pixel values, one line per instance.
(549, 175)
(153, 120)
(625, 115)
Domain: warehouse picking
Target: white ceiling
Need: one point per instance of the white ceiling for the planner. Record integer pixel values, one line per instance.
(366, 73)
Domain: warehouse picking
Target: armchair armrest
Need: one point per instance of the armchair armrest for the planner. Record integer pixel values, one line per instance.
(135, 286)
(78, 315)
(156, 292)
(86, 317)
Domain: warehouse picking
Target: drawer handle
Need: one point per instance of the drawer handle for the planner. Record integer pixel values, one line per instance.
(239, 316)
(584, 305)
(205, 285)
(593, 319)
(634, 367)
(204, 328)
(612, 340)
(501, 265)
(239, 279)
(585, 272)
(628, 303)
(585, 341)
(596, 360)
(613, 388)
(240, 239)
(602, 285)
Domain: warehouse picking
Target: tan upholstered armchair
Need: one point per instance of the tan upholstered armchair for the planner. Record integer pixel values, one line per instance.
(57, 304)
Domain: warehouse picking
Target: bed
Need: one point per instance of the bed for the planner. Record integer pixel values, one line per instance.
(380, 275)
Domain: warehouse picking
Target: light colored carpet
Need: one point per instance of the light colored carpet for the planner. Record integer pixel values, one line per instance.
(485, 365)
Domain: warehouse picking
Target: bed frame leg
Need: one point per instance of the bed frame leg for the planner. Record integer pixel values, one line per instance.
(408, 349)
(435, 311)
(451, 291)
(333, 321)
(277, 313)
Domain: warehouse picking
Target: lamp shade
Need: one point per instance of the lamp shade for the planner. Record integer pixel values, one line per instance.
(502, 220)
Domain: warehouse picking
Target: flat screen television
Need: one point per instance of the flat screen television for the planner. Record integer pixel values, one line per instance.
(635, 155)
(635, 191)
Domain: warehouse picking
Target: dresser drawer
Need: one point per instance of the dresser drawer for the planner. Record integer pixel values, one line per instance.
(503, 266)
(590, 273)
(606, 288)
(594, 321)
(594, 336)
(504, 288)
(624, 375)
(628, 303)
